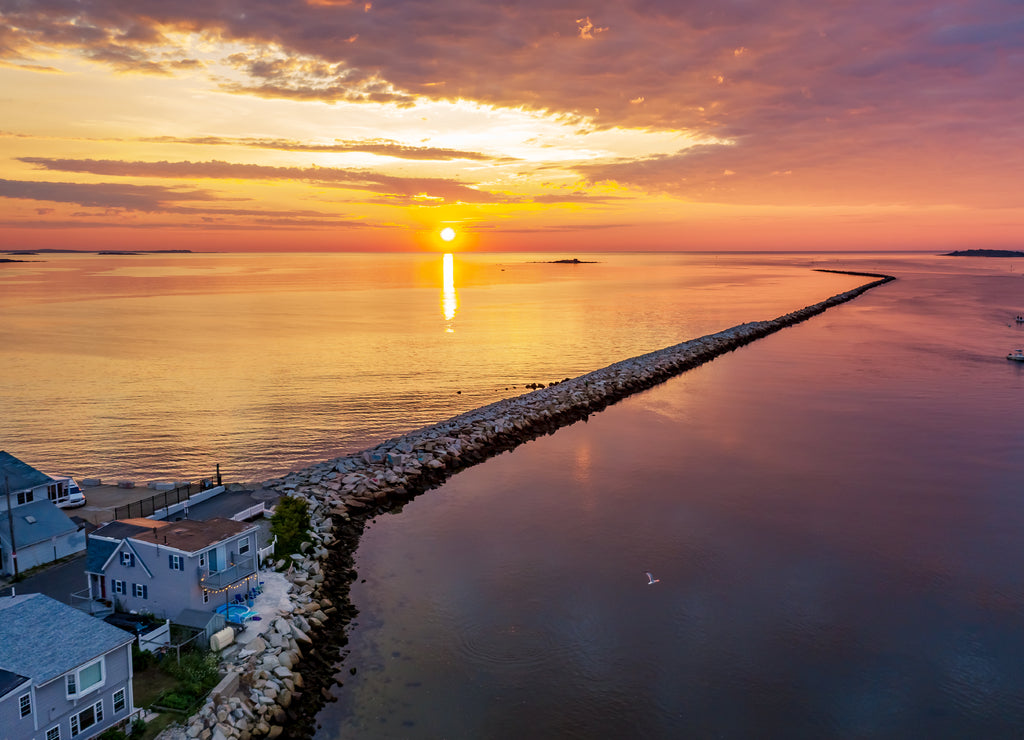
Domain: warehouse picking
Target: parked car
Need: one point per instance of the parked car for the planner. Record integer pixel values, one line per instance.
(75, 496)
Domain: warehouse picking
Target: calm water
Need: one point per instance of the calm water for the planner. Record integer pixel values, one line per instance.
(835, 514)
(161, 366)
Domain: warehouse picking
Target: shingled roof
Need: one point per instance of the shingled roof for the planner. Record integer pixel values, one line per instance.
(43, 639)
(20, 475)
(35, 522)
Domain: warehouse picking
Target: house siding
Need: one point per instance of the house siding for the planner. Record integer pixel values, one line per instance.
(169, 591)
(41, 553)
(55, 708)
(12, 724)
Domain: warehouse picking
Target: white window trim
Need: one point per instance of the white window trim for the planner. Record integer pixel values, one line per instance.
(50, 736)
(118, 586)
(244, 541)
(140, 591)
(76, 676)
(177, 562)
(124, 700)
(127, 558)
(21, 706)
(97, 718)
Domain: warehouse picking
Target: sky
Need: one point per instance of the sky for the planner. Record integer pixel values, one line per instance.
(530, 125)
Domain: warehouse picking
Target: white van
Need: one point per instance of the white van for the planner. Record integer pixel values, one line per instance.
(74, 498)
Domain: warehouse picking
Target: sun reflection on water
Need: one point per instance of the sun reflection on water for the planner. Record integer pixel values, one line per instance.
(449, 299)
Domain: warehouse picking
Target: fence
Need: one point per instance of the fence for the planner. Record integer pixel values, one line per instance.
(147, 506)
(158, 638)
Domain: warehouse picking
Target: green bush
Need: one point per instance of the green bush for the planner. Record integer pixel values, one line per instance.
(141, 659)
(113, 733)
(290, 524)
(196, 673)
(176, 700)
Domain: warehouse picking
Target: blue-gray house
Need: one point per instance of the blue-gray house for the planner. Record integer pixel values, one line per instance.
(42, 533)
(63, 674)
(159, 567)
(25, 484)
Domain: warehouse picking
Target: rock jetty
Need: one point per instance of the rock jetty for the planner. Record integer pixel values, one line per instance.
(277, 684)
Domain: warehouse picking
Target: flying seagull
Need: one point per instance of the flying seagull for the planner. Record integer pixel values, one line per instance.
(651, 580)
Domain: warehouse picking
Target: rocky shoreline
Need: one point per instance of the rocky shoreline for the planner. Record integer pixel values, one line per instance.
(276, 686)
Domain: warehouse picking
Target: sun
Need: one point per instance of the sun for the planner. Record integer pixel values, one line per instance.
(447, 233)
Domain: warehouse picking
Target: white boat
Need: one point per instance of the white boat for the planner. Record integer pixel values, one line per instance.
(1017, 354)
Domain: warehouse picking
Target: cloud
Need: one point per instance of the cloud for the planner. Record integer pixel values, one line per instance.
(115, 197)
(390, 185)
(382, 147)
(844, 95)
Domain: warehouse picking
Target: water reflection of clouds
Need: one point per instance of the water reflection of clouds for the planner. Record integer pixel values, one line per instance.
(449, 298)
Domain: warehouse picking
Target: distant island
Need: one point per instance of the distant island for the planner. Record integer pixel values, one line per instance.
(23, 252)
(985, 253)
(573, 261)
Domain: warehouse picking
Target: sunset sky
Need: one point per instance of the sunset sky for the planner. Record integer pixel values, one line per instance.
(530, 125)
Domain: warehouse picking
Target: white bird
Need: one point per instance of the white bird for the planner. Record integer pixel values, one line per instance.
(651, 580)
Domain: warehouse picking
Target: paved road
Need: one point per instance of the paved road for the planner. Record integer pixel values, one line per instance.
(57, 582)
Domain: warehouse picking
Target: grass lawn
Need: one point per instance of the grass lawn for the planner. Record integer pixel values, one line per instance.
(149, 683)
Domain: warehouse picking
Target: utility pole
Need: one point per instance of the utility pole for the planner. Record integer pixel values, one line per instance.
(10, 521)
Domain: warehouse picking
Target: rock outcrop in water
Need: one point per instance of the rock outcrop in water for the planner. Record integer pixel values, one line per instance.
(278, 684)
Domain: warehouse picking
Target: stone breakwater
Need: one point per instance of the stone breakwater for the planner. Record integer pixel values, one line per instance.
(277, 684)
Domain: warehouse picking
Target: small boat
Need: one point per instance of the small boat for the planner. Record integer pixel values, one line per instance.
(1017, 354)
(1020, 319)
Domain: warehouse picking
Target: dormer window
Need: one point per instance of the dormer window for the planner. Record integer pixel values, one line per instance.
(85, 679)
(127, 559)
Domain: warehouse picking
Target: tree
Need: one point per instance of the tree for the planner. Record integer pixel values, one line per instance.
(290, 524)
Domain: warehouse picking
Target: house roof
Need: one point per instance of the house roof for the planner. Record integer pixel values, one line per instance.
(43, 639)
(20, 475)
(36, 522)
(121, 528)
(10, 682)
(191, 536)
(198, 619)
(97, 554)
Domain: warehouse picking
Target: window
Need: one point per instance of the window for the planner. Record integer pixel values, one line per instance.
(243, 546)
(86, 718)
(25, 705)
(206, 596)
(53, 491)
(140, 590)
(176, 562)
(202, 560)
(119, 701)
(53, 733)
(127, 559)
(26, 497)
(118, 587)
(85, 679)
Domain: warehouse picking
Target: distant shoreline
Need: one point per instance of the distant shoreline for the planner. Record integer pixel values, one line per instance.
(37, 252)
(984, 253)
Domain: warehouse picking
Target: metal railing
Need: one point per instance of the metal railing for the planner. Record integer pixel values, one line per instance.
(84, 601)
(243, 567)
(146, 506)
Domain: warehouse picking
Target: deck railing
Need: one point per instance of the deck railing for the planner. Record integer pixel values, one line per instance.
(243, 567)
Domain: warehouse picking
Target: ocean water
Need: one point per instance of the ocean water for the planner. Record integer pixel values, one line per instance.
(834, 514)
(161, 366)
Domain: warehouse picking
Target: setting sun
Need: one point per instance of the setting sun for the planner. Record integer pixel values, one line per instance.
(448, 233)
